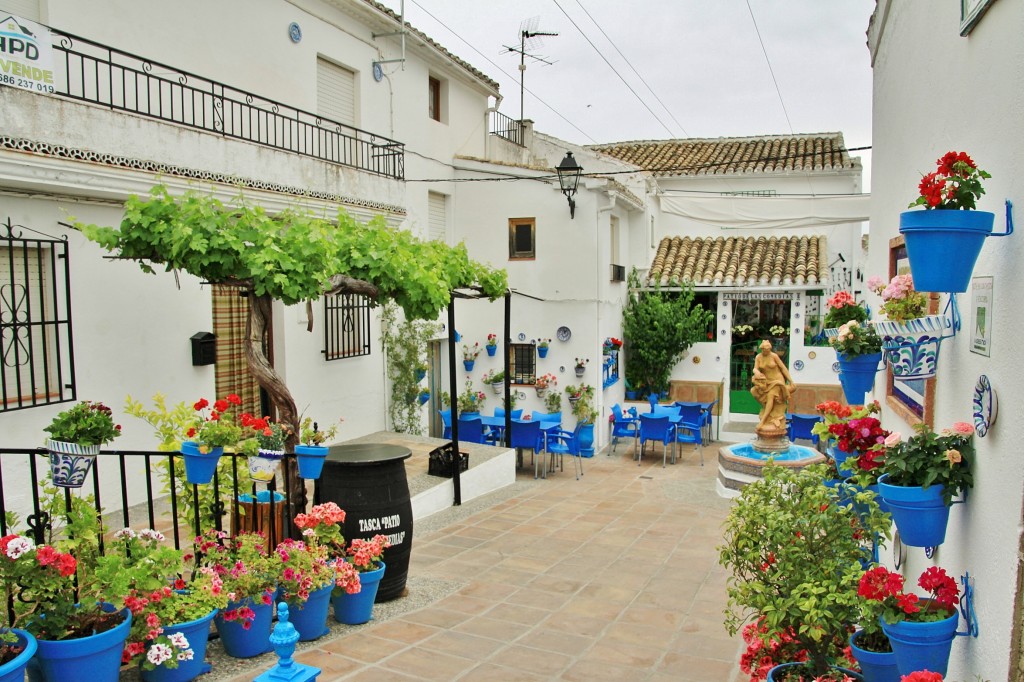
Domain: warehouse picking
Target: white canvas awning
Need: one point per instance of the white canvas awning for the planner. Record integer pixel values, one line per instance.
(763, 213)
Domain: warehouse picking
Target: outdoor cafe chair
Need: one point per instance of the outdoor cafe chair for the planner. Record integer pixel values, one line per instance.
(526, 434)
(500, 412)
(690, 432)
(446, 419)
(657, 428)
(800, 425)
(624, 424)
(564, 443)
(693, 413)
(471, 430)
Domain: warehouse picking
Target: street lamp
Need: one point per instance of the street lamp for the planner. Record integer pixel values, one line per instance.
(569, 178)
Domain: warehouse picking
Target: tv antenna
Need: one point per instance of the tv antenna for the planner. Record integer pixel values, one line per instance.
(529, 39)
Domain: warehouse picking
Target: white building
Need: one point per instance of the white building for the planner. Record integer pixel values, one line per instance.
(950, 77)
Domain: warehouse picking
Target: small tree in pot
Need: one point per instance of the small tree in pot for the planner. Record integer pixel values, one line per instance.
(796, 556)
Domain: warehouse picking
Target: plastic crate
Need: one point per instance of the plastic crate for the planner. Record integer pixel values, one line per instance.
(441, 459)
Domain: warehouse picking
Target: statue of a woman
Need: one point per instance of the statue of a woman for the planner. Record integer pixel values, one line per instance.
(772, 387)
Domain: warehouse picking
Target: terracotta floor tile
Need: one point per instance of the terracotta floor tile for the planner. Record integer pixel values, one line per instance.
(403, 631)
(551, 639)
(462, 644)
(428, 664)
(595, 608)
(628, 655)
(502, 631)
(329, 663)
(437, 617)
(364, 647)
(696, 669)
(592, 670)
(513, 613)
(538, 661)
(488, 672)
(375, 674)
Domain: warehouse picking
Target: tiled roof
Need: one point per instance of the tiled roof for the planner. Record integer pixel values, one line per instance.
(735, 155)
(436, 45)
(740, 261)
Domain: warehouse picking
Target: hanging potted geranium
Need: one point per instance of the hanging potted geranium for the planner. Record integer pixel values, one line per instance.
(910, 336)
(311, 452)
(496, 379)
(859, 350)
(542, 383)
(920, 630)
(492, 345)
(76, 435)
(542, 347)
(581, 366)
(212, 431)
(922, 476)
(264, 446)
(841, 308)
(469, 355)
(944, 240)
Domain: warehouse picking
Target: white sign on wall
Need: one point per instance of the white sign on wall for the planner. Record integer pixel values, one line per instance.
(26, 54)
(981, 323)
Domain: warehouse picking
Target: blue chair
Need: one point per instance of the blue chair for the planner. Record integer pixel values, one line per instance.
(471, 430)
(446, 418)
(658, 429)
(692, 413)
(500, 412)
(526, 434)
(670, 410)
(563, 443)
(625, 424)
(652, 398)
(690, 432)
(800, 425)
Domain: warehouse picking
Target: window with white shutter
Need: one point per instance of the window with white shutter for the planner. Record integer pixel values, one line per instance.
(437, 207)
(335, 92)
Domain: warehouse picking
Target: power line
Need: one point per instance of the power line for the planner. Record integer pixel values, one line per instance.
(510, 76)
(614, 70)
(649, 88)
(770, 69)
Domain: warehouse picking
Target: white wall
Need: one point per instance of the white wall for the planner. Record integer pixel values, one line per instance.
(970, 104)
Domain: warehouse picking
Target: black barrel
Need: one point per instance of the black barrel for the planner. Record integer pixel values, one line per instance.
(368, 481)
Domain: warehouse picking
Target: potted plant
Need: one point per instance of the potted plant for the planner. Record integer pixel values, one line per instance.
(944, 240)
(778, 331)
(922, 476)
(542, 347)
(496, 379)
(492, 344)
(17, 647)
(76, 435)
(575, 393)
(470, 401)
(586, 415)
(469, 355)
(311, 451)
(421, 371)
(860, 441)
(910, 336)
(869, 644)
(553, 402)
(171, 617)
(423, 396)
(249, 574)
(542, 383)
(920, 630)
(210, 432)
(859, 349)
(841, 308)
(263, 445)
(795, 558)
(305, 582)
(364, 559)
(741, 332)
(581, 366)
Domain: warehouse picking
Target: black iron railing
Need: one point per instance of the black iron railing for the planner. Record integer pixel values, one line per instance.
(96, 73)
(507, 128)
(159, 474)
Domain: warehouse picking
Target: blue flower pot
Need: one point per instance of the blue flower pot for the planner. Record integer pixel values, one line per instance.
(354, 609)
(586, 440)
(874, 666)
(197, 632)
(311, 460)
(422, 398)
(468, 364)
(491, 350)
(199, 467)
(922, 646)
(920, 514)
(857, 375)
(542, 351)
(239, 642)
(943, 246)
(779, 669)
(421, 374)
(310, 618)
(838, 456)
(85, 659)
(14, 669)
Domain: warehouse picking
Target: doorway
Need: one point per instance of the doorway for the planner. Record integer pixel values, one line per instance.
(753, 322)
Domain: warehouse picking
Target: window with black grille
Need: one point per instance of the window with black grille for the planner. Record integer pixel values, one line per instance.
(522, 238)
(709, 301)
(522, 363)
(36, 360)
(346, 326)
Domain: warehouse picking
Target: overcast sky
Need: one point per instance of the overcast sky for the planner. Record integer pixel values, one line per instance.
(701, 58)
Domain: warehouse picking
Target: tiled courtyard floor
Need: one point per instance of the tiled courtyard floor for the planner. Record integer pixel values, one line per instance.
(612, 577)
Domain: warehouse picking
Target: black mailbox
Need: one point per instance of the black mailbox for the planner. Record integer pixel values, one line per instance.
(204, 348)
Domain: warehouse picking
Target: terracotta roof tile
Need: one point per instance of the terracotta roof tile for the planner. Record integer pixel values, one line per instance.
(735, 155)
(740, 261)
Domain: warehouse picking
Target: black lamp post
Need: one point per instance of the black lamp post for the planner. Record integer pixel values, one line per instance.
(569, 178)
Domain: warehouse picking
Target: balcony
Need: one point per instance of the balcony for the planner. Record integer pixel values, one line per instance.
(91, 72)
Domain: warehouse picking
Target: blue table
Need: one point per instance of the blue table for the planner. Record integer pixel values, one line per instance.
(498, 424)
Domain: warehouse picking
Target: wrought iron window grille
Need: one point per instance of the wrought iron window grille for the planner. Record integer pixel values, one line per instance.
(346, 326)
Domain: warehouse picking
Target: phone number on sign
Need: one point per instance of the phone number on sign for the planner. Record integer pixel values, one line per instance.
(26, 84)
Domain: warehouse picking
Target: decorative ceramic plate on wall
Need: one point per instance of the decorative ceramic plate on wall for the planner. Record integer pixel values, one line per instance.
(986, 406)
(798, 365)
(563, 334)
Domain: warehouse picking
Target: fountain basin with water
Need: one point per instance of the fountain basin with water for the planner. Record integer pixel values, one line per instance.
(742, 463)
